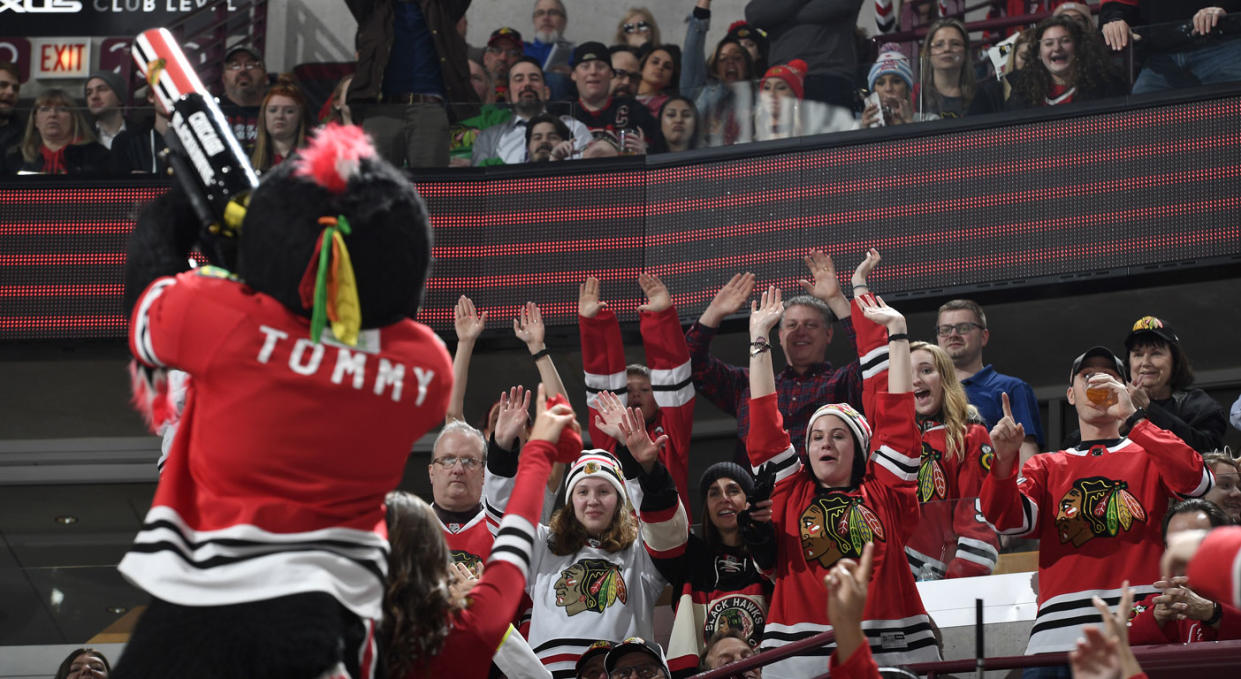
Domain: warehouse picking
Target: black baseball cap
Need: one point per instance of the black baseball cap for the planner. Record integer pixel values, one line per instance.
(242, 48)
(636, 644)
(1091, 353)
(1149, 325)
(591, 51)
(594, 650)
(504, 33)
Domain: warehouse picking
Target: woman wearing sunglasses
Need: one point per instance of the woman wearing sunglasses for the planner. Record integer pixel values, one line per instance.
(638, 28)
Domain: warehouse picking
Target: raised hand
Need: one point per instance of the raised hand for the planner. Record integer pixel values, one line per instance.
(609, 411)
(514, 415)
(528, 326)
(467, 321)
(461, 580)
(1006, 438)
(874, 308)
(1095, 657)
(765, 314)
(858, 280)
(634, 436)
(846, 585)
(588, 303)
(822, 282)
(1123, 407)
(1116, 630)
(549, 423)
(728, 300)
(657, 296)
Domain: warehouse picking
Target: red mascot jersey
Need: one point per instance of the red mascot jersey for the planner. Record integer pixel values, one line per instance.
(276, 479)
(816, 527)
(1096, 512)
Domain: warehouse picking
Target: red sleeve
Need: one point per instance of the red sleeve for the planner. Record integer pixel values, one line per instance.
(1229, 623)
(492, 605)
(977, 545)
(1181, 467)
(1144, 629)
(872, 352)
(860, 665)
(515, 536)
(603, 362)
(667, 355)
(767, 437)
(1215, 571)
(1010, 508)
(896, 446)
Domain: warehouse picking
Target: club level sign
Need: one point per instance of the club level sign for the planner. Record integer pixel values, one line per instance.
(60, 57)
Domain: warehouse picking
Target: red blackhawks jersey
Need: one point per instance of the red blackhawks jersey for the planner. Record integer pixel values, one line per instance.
(1144, 629)
(1097, 513)
(952, 540)
(816, 527)
(469, 542)
(667, 356)
(275, 481)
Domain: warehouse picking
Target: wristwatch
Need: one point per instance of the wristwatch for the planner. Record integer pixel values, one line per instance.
(1137, 416)
(759, 346)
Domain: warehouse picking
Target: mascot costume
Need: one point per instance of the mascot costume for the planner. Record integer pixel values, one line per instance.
(264, 550)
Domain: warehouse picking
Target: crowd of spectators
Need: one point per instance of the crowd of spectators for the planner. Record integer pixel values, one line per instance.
(784, 69)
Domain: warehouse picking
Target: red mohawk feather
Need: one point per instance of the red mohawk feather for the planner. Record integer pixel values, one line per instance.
(333, 156)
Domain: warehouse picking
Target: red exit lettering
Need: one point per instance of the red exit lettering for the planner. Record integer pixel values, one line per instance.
(63, 58)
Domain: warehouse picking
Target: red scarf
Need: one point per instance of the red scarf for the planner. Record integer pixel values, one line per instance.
(53, 161)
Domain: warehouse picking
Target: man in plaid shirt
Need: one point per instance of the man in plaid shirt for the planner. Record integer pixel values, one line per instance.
(808, 380)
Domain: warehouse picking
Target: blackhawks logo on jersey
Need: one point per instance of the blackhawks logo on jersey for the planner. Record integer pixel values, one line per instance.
(1096, 507)
(837, 525)
(590, 585)
(932, 482)
(735, 612)
(986, 456)
(471, 560)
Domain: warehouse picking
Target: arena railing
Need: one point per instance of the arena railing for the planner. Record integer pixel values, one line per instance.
(1071, 199)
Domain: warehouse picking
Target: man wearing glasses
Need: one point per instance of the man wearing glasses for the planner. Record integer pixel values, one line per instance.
(961, 330)
(637, 658)
(626, 71)
(245, 85)
(504, 48)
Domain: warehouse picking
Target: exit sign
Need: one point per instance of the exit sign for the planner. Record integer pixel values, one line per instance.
(60, 57)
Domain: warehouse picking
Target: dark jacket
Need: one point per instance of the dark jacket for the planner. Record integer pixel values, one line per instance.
(89, 160)
(137, 152)
(374, 42)
(1112, 86)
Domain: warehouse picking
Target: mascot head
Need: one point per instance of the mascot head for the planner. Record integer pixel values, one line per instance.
(338, 201)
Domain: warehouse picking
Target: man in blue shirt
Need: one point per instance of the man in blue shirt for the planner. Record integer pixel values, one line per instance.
(549, 20)
(961, 330)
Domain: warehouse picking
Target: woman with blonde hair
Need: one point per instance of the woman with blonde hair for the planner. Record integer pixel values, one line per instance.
(946, 71)
(282, 125)
(58, 140)
(591, 573)
(638, 28)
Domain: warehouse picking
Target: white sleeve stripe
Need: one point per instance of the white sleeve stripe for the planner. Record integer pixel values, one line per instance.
(897, 470)
(1029, 517)
(675, 375)
(972, 557)
(505, 553)
(667, 535)
(1204, 486)
(976, 545)
(900, 458)
(786, 464)
(610, 382)
(142, 334)
(672, 399)
(874, 361)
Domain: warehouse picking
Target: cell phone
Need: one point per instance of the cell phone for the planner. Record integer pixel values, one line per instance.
(884, 118)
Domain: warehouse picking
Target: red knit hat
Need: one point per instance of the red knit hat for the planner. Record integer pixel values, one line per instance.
(792, 73)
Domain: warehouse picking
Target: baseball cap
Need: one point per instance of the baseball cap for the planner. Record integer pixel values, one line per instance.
(1149, 325)
(594, 650)
(1091, 353)
(502, 34)
(228, 56)
(636, 644)
(591, 51)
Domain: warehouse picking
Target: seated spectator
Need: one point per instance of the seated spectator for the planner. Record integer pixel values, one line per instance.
(1161, 377)
(84, 663)
(778, 114)
(661, 74)
(1094, 507)
(11, 124)
(548, 138)
(590, 664)
(504, 48)
(1175, 57)
(948, 90)
(507, 142)
(464, 133)
(679, 125)
(139, 150)
(58, 140)
(636, 657)
(245, 85)
(600, 111)
(991, 93)
(1176, 614)
(626, 70)
(1226, 493)
(282, 127)
(1070, 66)
(725, 648)
(105, 96)
(892, 80)
(550, 19)
(638, 28)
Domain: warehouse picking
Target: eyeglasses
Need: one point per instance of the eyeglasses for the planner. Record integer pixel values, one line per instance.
(625, 75)
(641, 671)
(248, 66)
(450, 461)
(513, 53)
(958, 328)
(637, 27)
(540, 13)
